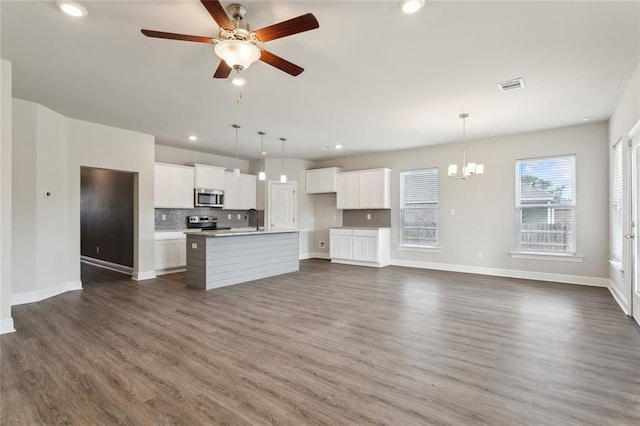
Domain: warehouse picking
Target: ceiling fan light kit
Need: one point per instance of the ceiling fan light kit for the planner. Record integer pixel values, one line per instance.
(238, 54)
(468, 169)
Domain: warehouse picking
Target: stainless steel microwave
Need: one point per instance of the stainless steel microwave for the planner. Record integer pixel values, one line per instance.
(208, 197)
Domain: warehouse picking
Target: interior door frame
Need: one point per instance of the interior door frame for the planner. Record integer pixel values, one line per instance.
(268, 213)
(633, 141)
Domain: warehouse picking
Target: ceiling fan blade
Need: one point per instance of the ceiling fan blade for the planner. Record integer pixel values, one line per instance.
(222, 71)
(280, 63)
(286, 28)
(218, 14)
(173, 36)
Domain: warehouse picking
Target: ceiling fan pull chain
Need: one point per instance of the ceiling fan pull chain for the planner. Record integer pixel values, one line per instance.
(239, 98)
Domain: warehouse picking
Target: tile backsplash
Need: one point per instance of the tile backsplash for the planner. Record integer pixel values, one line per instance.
(176, 219)
(380, 218)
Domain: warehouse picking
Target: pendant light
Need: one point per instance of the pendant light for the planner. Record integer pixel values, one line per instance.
(236, 170)
(262, 175)
(468, 169)
(283, 176)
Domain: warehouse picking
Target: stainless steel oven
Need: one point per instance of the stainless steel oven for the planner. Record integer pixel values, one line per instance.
(208, 197)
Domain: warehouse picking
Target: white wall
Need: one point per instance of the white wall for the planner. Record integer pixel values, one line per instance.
(48, 152)
(484, 208)
(100, 146)
(185, 157)
(624, 117)
(6, 322)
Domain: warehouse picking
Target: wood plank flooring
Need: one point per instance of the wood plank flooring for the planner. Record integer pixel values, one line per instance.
(329, 345)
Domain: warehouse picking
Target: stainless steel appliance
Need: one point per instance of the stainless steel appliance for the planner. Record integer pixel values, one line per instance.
(206, 223)
(208, 197)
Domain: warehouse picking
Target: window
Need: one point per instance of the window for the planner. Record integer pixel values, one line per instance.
(546, 205)
(419, 208)
(616, 205)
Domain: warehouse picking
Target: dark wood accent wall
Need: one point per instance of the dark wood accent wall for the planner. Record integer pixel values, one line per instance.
(106, 215)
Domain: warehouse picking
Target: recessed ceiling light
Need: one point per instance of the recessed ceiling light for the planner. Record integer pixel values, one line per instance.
(238, 81)
(586, 118)
(71, 8)
(411, 6)
(331, 147)
(193, 138)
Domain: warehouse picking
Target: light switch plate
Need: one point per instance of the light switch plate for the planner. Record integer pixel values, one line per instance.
(194, 245)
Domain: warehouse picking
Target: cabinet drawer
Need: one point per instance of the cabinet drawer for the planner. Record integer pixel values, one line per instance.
(341, 231)
(365, 232)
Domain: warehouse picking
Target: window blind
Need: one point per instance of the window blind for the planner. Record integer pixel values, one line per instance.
(616, 205)
(419, 207)
(545, 205)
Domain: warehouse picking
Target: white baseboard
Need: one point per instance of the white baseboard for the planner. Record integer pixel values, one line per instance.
(619, 297)
(509, 273)
(169, 271)
(303, 256)
(45, 293)
(146, 275)
(107, 265)
(6, 326)
(359, 263)
(319, 255)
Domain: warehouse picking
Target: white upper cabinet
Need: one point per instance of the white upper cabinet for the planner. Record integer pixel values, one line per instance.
(364, 189)
(173, 186)
(209, 177)
(239, 192)
(320, 181)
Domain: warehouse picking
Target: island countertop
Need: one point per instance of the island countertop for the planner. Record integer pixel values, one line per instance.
(239, 232)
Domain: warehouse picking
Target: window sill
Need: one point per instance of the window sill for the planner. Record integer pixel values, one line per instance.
(617, 265)
(429, 249)
(558, 257)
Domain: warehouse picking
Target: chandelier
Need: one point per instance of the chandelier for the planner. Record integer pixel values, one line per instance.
(468, 169)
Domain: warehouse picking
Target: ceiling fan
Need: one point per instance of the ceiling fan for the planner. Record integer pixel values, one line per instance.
(237, 45)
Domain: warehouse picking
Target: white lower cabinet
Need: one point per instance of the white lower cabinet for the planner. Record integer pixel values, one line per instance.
(171, 253)
(340, 244)
(357, 246)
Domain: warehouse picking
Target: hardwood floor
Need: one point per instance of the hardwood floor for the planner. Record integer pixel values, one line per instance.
(331, 344)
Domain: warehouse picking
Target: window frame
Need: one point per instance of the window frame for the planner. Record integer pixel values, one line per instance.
(519, 207)
(404, 245)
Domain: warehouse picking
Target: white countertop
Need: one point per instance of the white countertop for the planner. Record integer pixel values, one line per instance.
(241, 231)
(359, 227)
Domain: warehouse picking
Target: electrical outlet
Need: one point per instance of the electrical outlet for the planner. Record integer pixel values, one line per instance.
(322, 244)
(97, 249)
(194, 245)
(452, 212)
(368, 216)
(229, 216)
(479, 255)
(239, 216)
(164, 217)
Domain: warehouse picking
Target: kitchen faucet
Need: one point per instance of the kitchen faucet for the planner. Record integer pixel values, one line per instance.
(249, 222)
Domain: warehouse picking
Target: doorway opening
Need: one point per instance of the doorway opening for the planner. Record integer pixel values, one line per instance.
(107, 218)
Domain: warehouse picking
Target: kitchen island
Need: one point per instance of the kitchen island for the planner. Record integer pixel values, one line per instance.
(221, 258)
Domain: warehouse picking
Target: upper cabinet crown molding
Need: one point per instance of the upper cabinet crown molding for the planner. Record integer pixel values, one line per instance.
(320, 181)
(364, 189)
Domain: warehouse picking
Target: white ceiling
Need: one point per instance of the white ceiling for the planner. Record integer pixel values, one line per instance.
(375, 79)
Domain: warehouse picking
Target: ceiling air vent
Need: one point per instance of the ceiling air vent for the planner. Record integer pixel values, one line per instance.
(516, 83)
